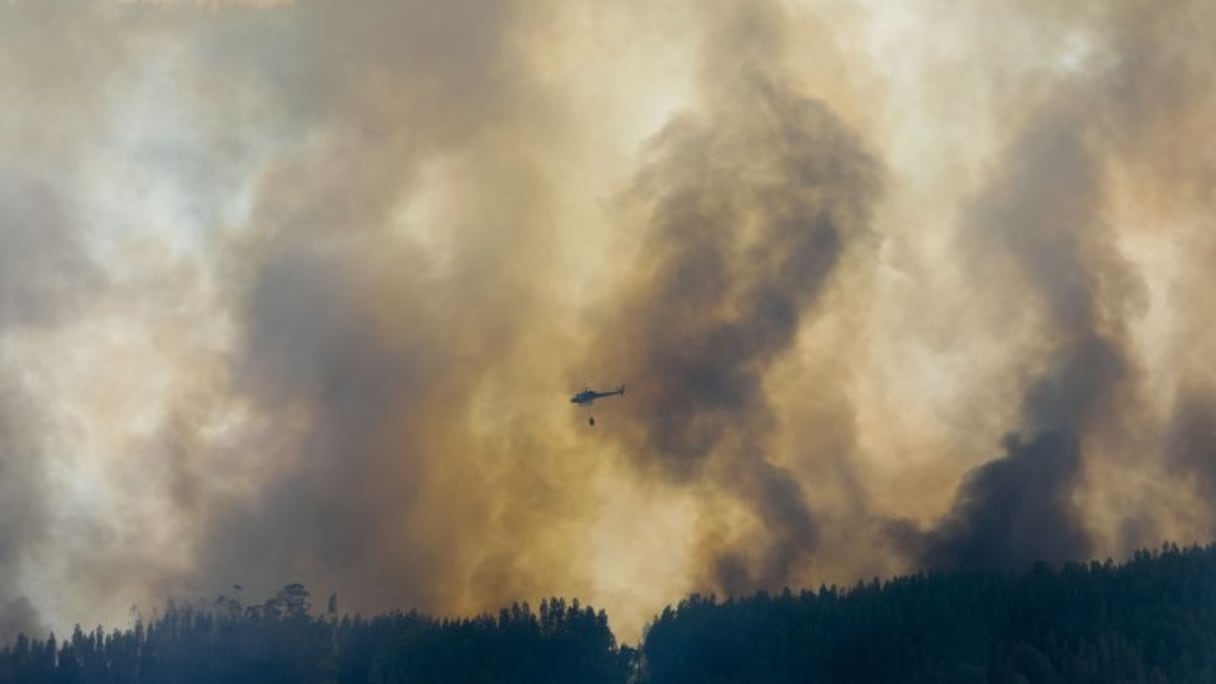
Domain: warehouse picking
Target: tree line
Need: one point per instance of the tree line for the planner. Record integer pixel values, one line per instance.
(1150, 619)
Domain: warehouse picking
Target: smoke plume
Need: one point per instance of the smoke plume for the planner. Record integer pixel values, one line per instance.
(298, 292)
(750, 202)
(1042, 218)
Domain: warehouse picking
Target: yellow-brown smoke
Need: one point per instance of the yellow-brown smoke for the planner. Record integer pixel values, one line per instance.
(298, 292)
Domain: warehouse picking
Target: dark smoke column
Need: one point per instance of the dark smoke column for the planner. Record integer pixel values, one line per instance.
(1036, 234)
(750, 204)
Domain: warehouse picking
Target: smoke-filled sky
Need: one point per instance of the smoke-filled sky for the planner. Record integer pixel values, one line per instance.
(298, 292)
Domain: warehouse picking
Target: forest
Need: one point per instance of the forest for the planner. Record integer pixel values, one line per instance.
(1149, 619)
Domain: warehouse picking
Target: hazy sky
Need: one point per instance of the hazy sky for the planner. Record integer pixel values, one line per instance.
(298, 292)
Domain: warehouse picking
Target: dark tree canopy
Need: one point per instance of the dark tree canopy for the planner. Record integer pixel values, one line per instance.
(1151, 619)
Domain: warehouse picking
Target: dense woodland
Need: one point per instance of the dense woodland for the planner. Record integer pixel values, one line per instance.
(1151, 619)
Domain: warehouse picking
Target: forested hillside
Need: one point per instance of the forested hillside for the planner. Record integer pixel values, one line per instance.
(1151, 619)
(280, 641)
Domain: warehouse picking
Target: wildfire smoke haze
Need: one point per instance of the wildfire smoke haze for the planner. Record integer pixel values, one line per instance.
(297, 292)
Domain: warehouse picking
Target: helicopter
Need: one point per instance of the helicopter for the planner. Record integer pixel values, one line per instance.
(588, 397)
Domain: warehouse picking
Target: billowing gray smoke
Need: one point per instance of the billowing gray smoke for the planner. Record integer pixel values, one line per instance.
(1191, 440)
(750, 204)
(297, 293)
(1044, 220)
(43, 275)
(1041, 220)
